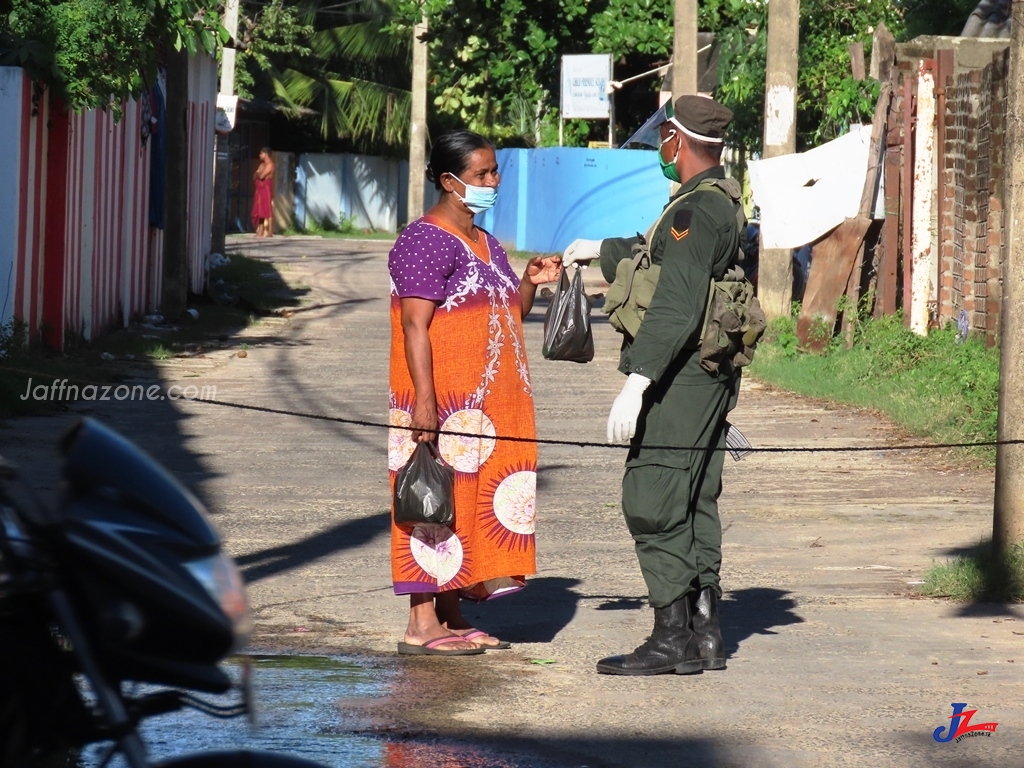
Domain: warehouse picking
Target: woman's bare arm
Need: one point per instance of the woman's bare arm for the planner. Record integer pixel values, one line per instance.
(417, 314)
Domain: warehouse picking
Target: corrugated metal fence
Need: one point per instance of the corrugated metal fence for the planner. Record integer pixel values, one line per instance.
(81, 256)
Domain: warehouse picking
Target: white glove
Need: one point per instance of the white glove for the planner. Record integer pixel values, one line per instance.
(626, 409)
(581, 251)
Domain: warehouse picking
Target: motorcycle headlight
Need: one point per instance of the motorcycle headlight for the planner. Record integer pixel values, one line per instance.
(222, 581)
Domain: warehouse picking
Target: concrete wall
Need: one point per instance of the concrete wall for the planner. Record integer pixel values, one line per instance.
(549, 197)
(371, 191)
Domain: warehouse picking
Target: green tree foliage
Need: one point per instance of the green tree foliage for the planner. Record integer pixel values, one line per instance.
(97, 53)
(624, 27)
(495, 64)
(828, 97)
(340, 67)
(936, 17)
(741, 37)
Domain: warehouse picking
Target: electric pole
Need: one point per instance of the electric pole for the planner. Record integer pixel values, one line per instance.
(1008, 517)
(775, 272)
(684, 49)
(418, 123)
(222, 166)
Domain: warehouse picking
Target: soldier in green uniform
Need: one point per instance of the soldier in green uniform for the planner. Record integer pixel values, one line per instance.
(670, 495)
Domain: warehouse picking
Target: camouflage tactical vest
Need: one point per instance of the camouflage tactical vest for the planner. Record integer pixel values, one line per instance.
(733, 319)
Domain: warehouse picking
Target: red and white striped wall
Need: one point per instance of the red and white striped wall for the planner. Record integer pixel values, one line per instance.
(23, 156)
(78, 256)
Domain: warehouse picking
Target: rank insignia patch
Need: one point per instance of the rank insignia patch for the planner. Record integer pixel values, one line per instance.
(681, 223)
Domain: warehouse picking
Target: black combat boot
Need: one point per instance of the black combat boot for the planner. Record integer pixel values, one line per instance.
(705, 627)
(672, 647)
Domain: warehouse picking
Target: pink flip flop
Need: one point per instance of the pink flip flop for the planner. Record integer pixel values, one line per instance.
(430, 648)
(473, 634)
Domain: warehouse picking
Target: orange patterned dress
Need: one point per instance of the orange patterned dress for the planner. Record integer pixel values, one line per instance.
(482, 385)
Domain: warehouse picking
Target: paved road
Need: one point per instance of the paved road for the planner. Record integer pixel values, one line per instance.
(833, 661)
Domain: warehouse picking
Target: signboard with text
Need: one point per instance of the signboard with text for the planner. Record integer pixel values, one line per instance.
(227, 107)
(585, 81)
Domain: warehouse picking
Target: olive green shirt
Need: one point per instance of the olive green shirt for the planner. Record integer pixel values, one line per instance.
(698, 240)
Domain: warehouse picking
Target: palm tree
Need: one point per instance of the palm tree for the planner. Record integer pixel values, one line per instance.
(341, 60)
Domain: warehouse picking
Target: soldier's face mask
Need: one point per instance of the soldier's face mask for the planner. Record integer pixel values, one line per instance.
(477, 199)
(668, 167)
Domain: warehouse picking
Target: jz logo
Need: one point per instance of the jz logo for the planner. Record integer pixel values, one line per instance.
(960, 726)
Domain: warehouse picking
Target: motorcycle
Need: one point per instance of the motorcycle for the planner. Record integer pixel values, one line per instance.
(124, 583)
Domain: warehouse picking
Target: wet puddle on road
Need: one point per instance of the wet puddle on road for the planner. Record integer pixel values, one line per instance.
(301, 704)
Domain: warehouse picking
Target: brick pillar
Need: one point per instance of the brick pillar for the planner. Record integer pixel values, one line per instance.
(952, 267)
(996, 242)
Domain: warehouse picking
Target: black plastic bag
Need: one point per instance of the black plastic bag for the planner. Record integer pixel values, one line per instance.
(567, 333)
(425, 489)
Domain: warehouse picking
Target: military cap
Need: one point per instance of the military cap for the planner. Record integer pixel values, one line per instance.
(700, 117)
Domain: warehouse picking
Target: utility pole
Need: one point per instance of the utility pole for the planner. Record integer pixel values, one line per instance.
(1008, 517)
(418, 123)
(175, 283)
(684, 49)
(222, 166)
(775, 272)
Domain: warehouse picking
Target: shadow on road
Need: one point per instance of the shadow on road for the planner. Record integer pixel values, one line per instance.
(754, 611)
(533, 615)
(347, 535)
(592, 750)
(613, 603)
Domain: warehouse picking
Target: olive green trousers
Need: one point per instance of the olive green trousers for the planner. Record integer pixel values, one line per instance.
(672, 511)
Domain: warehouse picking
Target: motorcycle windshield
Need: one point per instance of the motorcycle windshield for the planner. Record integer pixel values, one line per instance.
(99, 461)
(649, 135)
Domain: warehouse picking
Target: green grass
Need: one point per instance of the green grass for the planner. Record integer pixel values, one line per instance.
(527, 255)
(979, 576)
(933, 387)
(359, 234)
(344, 228)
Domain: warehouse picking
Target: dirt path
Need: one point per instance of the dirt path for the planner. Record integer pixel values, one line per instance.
(833, 661)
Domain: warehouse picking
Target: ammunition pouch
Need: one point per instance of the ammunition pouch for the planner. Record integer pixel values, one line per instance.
(733, 323)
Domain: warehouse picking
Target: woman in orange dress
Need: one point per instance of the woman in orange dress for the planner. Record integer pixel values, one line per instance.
(458, 364)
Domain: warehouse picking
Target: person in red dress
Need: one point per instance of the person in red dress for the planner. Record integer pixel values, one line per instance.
(262, 199)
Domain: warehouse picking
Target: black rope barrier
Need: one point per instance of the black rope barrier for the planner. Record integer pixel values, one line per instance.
(591, 444)
(568, 443)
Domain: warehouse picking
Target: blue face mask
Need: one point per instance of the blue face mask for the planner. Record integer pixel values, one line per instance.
(478, 199)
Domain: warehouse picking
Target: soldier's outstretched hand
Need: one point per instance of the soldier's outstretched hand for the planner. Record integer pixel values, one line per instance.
(581, 252)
